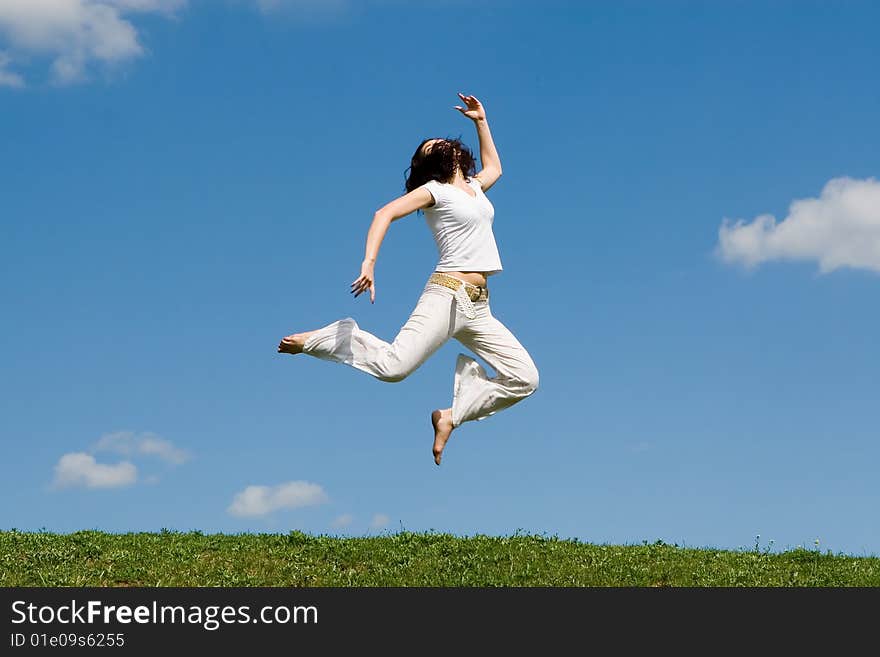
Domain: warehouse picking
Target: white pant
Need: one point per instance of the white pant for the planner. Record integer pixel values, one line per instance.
(436, 318)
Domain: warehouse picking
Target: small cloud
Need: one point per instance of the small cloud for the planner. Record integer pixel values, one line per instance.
(262, 500)
(127, 443)
(342, 521)
(303, 6)
(154, 446)
(379, 521)
(166, 7)
(74, 33)
(81, 469)
(309, 12)
(841, 228)
(7, 77)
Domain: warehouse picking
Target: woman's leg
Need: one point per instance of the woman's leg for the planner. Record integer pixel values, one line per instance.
(475, 395)
(427, 328)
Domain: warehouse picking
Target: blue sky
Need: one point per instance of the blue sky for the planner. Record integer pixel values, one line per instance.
(689, 224)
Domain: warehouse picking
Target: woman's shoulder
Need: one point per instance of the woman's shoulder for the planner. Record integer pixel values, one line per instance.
(437, 190)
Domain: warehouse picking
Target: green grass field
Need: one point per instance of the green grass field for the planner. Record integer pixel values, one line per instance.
(91, 558)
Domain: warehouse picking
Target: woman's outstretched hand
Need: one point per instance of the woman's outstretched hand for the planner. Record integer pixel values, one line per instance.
(474, 109)
(366, 281)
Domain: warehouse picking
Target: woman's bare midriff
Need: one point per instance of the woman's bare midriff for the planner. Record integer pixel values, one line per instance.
(472, 277)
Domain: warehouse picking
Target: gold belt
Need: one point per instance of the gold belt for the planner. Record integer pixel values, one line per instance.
(474, 292)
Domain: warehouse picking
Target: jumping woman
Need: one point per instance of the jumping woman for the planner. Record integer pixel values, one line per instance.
(455, 300)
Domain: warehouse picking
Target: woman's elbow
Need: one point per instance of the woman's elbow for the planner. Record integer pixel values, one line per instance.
(383, 216)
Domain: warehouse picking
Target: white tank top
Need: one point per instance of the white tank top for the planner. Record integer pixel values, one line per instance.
(462, 228)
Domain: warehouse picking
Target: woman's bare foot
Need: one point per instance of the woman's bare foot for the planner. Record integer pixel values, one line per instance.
(293, 344)
(442, 421)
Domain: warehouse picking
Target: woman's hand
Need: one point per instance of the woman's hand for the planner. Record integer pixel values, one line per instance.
(365, 281)
(474, 109)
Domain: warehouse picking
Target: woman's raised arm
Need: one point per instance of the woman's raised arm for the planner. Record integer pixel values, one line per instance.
(488, 154)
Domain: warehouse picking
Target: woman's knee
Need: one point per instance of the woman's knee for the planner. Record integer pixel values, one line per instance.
(522, 381)
(396, 370)
(529, 379)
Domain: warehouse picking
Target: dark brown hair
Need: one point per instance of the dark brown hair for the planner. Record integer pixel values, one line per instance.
(440, 163)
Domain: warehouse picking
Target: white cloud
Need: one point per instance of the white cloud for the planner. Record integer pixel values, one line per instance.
(379, 521)
(343, 521)
(160, 6)
(150, 446)
(330, 6)
(841, 228)
(76, 32)
(7, 77)
(81, 469)
(262, 500)
(128, 443)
